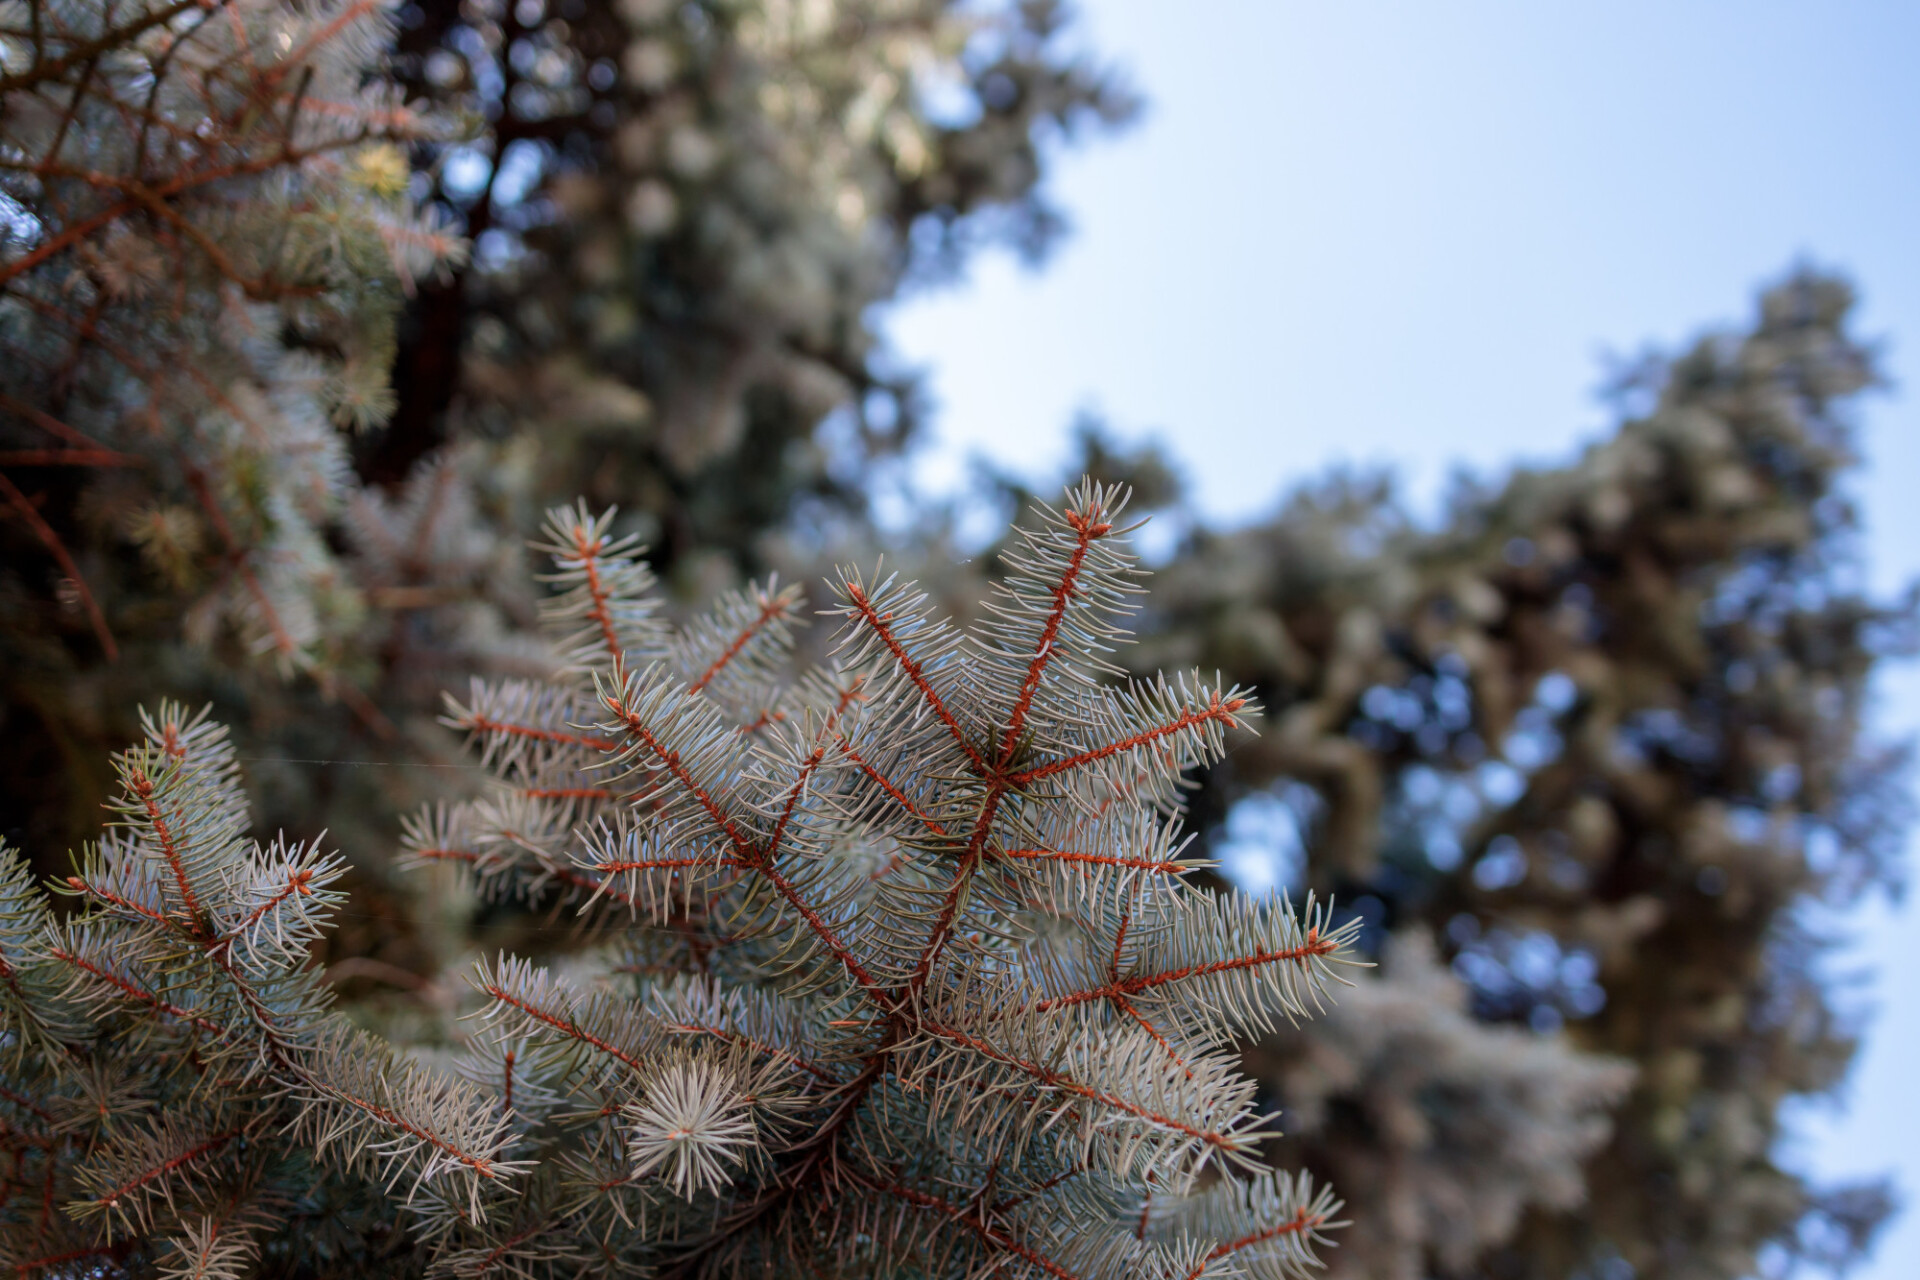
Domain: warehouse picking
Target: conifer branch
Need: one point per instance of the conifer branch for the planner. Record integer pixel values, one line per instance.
(1218, 711)
(132, 990)
(68, 458)
(769, 716)
(483, 725)
(1085, 531)
(1302, 1222)
(774, 607)
(550, 1011)
(972, 1221)
(669, 759)
(882, 628)
(108, 1199)
(1137, 983)
(962, 877)
(892, 789)
(52, 1260)
(860, 957)
(79, 51)
(1234, 1143)
(170, 849)
(587, 555)
(123, 902)
(1168, 866)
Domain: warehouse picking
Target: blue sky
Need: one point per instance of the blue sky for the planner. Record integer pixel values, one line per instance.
(1406, 232)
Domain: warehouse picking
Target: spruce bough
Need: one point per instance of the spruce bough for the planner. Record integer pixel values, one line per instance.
(896, 971)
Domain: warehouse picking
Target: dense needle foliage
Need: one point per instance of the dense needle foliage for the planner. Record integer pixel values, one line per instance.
(899, 974)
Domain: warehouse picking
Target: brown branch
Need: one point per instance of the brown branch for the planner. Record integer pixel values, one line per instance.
(761, 721)
(860, 762)
(21, 1100)
(479, 1164)
(1216, 711)
(865, 608)
(962, 876)
(666, 864)
(143, 788)
(54, 1260)
(254, 287)
(68, 458)
(589, 561)
(760, 858)
(187, 181)
(66, 239)
(511, 1242)
(1067, 1084)
(154, 378)
(1301, 1221)
(58, 549)
(972, 1221)
(813, 1151)
(296, 886)
(47, 422)
(481, 724)
(596, 887)
(1171, 866)
(297, 57)
(448, 855)
(565, 1026)
(848, 696)
(826, 935)
(1315, 945)
(1087, 531)
(237, 557)
(138, 993)
(1009, 1202)
(1125, 1006)
(774, 608)
(195, 479)
(125, 904)
(280, 1049)
(677, 769)
(571, 879)
(771, 1051)
(187, 1157)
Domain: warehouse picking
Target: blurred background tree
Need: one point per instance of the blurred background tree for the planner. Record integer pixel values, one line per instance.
(1595, 741)
(683, 215)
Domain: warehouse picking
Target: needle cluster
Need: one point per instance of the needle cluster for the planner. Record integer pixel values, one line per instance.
(902, 974)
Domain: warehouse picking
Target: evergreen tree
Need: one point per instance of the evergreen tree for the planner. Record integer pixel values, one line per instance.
(301, 297)
(1598, 737)
(898, 975)
(205, 241)
(269, 438)
(684, 215)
